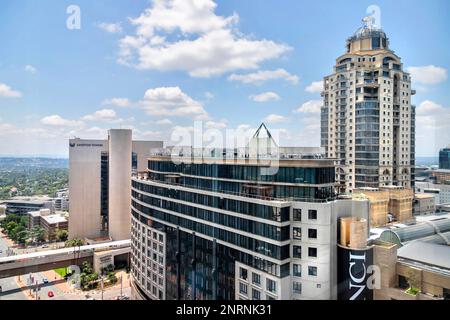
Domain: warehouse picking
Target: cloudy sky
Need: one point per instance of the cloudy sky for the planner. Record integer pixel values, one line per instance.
(165, 65)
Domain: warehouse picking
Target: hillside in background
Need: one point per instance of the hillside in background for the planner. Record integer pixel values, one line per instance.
(32, 176)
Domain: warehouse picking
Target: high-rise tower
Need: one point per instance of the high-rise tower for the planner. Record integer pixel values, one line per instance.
(367, 120)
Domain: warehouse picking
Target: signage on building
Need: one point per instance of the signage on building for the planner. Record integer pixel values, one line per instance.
(73, 144)
(354, 274)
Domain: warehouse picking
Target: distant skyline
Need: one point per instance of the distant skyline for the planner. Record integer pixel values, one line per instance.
(158, 66)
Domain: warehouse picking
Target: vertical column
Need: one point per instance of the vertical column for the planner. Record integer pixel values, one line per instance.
(120, 148)
(194, 264)
(214, 270)
(178, 257)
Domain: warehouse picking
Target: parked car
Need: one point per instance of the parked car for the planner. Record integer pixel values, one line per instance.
(51, 294)
(45, 280)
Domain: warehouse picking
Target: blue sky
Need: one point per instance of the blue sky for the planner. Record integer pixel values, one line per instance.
(158, 66)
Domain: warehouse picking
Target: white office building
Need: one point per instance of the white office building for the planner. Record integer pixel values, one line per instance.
(99, 183)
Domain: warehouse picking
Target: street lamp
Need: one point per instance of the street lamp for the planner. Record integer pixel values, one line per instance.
(101, 283)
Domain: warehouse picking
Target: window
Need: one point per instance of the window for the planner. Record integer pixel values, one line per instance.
(256, 295)
(312, 271)
(256, 279)
(243, 288)
(312, 252)
(297, 215)
(297, 233)
(243, 273)
(312, 214)
(297, 252)
(297, 270)
(271, 286)
(297, 287)
(312, 233)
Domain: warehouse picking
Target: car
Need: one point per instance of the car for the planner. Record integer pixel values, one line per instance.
(45, 280)
(51, 294)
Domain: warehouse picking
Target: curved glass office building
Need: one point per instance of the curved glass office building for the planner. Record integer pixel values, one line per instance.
(205, 229)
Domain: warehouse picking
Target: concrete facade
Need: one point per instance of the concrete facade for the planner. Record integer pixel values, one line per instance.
(397, 201)
(424, 204)
(440, 191)
(102, 169)
(84, 187)
(120, 149)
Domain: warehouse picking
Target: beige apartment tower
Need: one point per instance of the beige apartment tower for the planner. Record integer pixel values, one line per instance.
(367, 120)
(100, 184)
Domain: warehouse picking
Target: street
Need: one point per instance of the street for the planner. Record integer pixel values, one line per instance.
(10, 288)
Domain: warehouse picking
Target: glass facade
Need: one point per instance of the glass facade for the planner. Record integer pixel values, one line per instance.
(207, 233)
(104, 189)
(444, 159)
(367, 143)
(319, 175)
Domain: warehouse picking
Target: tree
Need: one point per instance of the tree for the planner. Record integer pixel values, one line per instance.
(21, 234)
(62, 235)
(74, 243)
(414, 281)
(112, 278)
(9, 228)
(37, 234)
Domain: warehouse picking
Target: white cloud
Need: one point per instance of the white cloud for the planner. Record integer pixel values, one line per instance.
(273, 118)
(312, 106)
(118, 102)
(56, 120)
(146, 134)
(171, 101)
(8, 92)
(428, 107)
(315, 87)
(101, 115)
(262, 76)
(209, 95)
(164, 122)
(110, 27)
(428, 74)
(204, 44)
(29, 68)
(216, 125)
(432, 128)
(265, 97)
(243, 127)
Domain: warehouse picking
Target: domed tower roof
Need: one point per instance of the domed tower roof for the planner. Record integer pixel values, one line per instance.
(368, 37)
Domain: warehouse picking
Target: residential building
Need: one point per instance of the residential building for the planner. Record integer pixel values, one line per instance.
(367, 120)
(99, 183)
(424, 204)
(214, 226)
(444, 158)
